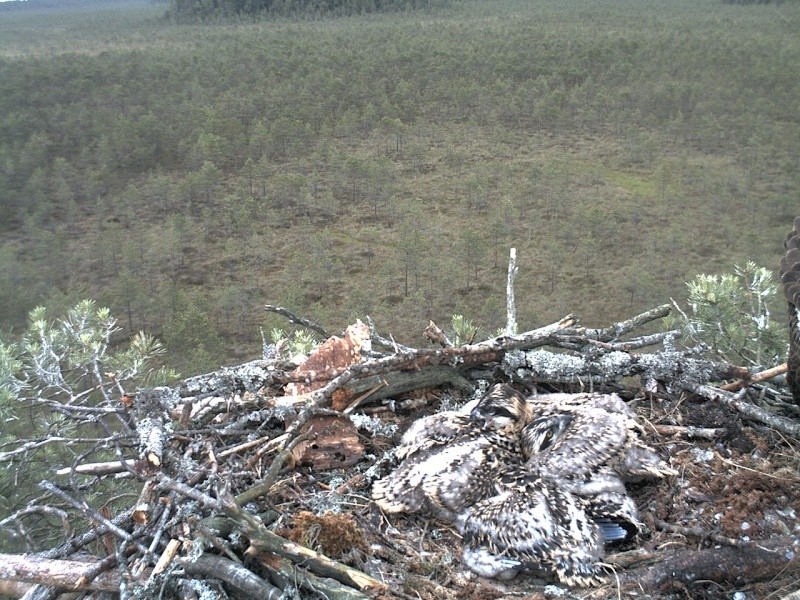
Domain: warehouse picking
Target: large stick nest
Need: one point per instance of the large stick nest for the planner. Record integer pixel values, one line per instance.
(255, 481)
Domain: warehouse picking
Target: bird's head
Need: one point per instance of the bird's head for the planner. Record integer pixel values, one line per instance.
(502, 409)
(542, 433)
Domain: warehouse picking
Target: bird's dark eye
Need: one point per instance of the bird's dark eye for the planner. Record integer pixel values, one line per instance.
(499, 411)
(548, 439)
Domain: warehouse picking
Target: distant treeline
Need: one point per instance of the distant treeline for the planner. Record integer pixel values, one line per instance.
(778, 2)
(213, 10)
(70, 5)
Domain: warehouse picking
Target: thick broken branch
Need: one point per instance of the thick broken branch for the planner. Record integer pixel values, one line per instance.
(757, 378)
(469, 354)
(757, 561)
(236, 575)
(64, 574)
(617, 330)
(671, 368)
(263, 539)
(391, 384)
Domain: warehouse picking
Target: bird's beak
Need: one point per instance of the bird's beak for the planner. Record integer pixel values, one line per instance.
(477, 415)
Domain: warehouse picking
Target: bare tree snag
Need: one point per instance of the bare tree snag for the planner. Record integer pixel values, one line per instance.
(511, 306)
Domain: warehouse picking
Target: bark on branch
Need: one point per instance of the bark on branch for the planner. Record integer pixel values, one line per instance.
(757, 561)
(62, 574)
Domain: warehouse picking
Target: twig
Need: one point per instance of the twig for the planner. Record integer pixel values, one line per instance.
(689, 432)
(89, 512)
(756, 378)
(378, 339)
(298, 320)
(634, 344)
(34, 444)
(78, 542)
(264, 486)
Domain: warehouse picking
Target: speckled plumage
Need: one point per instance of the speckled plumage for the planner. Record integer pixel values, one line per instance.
(534, 485)
(555, 513)
(573, 436)
(448, 457)
(532, 525)
(790, 277)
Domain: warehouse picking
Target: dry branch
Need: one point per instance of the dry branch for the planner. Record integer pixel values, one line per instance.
(756, 378)
(297, 319)
(617, 330)
(757, 561)
(735, 401)
(670, 368)
(100, 468)
(264, 540)
(511, 306)
(63, 574)
(706, 433)
(218, 567)
(390, 385)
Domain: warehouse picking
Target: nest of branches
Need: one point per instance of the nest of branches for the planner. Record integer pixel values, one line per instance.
(254, 481)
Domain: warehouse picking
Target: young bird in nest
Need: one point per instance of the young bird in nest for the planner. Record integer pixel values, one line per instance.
(532, 525)
(449, 458)
(555, 513)
(574, 436)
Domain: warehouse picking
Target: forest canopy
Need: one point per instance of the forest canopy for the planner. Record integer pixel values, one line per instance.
(185, 175)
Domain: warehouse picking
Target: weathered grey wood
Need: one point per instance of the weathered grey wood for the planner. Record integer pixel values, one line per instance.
(57, 573)
(235, 574)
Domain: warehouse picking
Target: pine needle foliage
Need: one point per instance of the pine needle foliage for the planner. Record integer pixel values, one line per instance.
(730, 314)
(61, 384)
